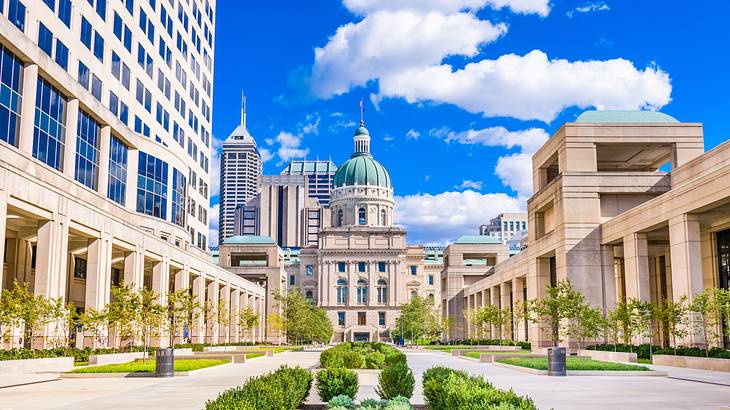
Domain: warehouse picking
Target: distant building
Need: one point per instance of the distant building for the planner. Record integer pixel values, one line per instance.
(320, 176)
(505, 226)
(240, 175)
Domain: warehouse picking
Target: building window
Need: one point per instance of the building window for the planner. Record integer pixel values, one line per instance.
(16, 14)
(340, 318)
(87, 151)
(292, 280)
(430, 279)
(340, 217)
(414, 270)
(430, 298)
(79, 268)
(382, 291)
(361, 217)
(341, 291)
(179, 185)
(152, 186)
(362, 292)
(116, 276)
(414, 294)
(381, 267)
(361, 319)
(383, 218)
(49, 133)
(117, 189)
(310, 270)
(310, 296)
(11, 80)
(341, 267)
(381, 318)
(361, 267)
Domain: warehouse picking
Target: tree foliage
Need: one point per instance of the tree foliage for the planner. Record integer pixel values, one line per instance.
(301, 320)
(418, 320)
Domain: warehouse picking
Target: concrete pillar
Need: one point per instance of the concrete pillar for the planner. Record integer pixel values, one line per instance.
(608, 271)
(3, 226)
(538, 279)
(72, 123)
(161, 279)
(27, 108)
(392, 274)
(235, 304)
(50, 269)
(224, 307)
(130, 195)
(104, 145)
(98, 280)
(134, 269)
(212, 322)
(636, 266)
(505, 292)
(518, 286)
(686, 257)
(197, 333)
(495, 301)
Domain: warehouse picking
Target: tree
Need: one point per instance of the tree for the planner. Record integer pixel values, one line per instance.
(276, 322)
(644, 314)
(586, 324)
(418, 319)
(121, 313)
(150, 317)
(302, 321)
(673, 315)
(65, 317)
(247, 320)
(210, 314)
(624, 316)
(520, 313)
(223, 318)
(490, 315)
(560, 305)
(27, 309)
(94, 322)
(181, 307)
(190, 310)
(705, 312)
(722, 307)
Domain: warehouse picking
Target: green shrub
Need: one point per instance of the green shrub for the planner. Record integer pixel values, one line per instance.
(374, 360)
(446, 389)
(433, 380)
(396, 380)
(336, 381)
(353, 360)
(341, 402)
(398, 403)
(285, 389)
(372, 404)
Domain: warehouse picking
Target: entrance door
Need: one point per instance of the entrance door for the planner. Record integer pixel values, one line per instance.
(362, 337)
(723, 265)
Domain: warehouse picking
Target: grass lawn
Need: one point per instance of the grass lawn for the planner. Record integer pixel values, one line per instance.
(448, 348)
(137, 366)
(644, 361)
(252, 355)
(476, 355)
(573, 363)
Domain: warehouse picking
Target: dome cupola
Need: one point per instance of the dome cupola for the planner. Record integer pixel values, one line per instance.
(361, 169)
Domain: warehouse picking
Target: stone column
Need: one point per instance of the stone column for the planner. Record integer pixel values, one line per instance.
(213, 302)
(3, 226)
(130, 195)
(98, 281)
(182, 282)
(495, 301)
(686, 257)
(538, 279)
(235, 302)
(505, 292)
(51, 267)
(104, 145)
(69, 153)
(27, 108)
(392, 273)
(134, 269)
(636, 266)
(518, 286)
(198, 331)
(224, 305)
(161, 279)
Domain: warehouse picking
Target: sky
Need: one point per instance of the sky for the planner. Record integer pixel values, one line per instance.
(458, 93)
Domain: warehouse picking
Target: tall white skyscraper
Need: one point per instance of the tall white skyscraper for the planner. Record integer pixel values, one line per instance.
(241, 169)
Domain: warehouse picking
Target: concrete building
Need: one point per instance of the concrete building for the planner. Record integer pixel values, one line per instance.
(320, 176)
(104, 161)
(625, 205)
(505, 226)
(240, 176)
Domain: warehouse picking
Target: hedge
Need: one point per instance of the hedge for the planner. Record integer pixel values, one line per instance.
(361, 355)
(79, 355)
(642, 351)
(285, 389)
(346, 403)
(336, 382)
(394, 381)
(446, 389)
(484, 342)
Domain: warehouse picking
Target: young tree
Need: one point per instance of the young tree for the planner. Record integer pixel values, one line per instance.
(560, 305)
(247, 321)
(492, 316)
(223, 318)
(302, 320)
(150, 316)
(418, 319)
(276, 322)
(624, 316)
(65, 317)
(611, 328)
(519, 316)
(722, 308)
(703, 311)
(586, 324)
(27, 309)
(644, 315)
(673, 315)
(181, 307)
(94, 322)
(210, 315)
(121, 313)
(189, 309)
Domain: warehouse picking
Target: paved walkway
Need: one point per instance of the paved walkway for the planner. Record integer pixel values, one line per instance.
(145, 393)
(590, 392)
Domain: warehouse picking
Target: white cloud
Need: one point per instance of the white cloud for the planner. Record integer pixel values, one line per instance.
(213, 214)
(469, 184)
(532, 86)
(269, 141)
(446, 216)
(266, 154)
(312, 125)
(364, 7)
(413, 134)
(515, 171)
(588, 8)
(290, 147)
(388, 138)
(387, 43)
(215, 172)
(529, 140)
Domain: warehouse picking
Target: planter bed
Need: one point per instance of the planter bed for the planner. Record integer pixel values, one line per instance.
(690, 362)
(143, 369)
(238, 357)
(492, 357)
(115, 358)
(626, 373)
(238, 349)
(577, 366)
(486, 349)
(610, 356)
(51, 364)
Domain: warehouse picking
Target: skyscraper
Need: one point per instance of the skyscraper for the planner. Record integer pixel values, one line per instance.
(320, 175)
(241, 168)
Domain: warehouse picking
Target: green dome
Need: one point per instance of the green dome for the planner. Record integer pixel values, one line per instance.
(362, 170)
(362, 131)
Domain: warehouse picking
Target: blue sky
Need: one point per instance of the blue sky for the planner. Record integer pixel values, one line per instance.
(459, 93)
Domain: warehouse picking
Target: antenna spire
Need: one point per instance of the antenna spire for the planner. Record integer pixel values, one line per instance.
(243, 109)
(362, 113)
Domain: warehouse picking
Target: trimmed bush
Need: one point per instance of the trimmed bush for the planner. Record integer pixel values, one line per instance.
(353, 360)
(370, 355)
(285, 389)
(341, 402)
(484, 342)
(335, 382)
(395, 380)
(433, 380)
(643, 351)
(374, 360)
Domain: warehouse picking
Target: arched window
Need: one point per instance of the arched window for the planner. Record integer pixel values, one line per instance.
(382, 290)
(382, 217)
(361, 217)
(340, 217)
(430, 297)
(310, 296)
(362, 292)
(341, 291)
(414, 294)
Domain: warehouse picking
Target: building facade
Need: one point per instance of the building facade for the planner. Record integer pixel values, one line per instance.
(104, 158)
(505, 227)
(240, 176)
(626, 205)
(319, 175)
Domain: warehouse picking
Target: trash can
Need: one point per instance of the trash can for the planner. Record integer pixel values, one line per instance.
(556, 361)
(164, 362)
